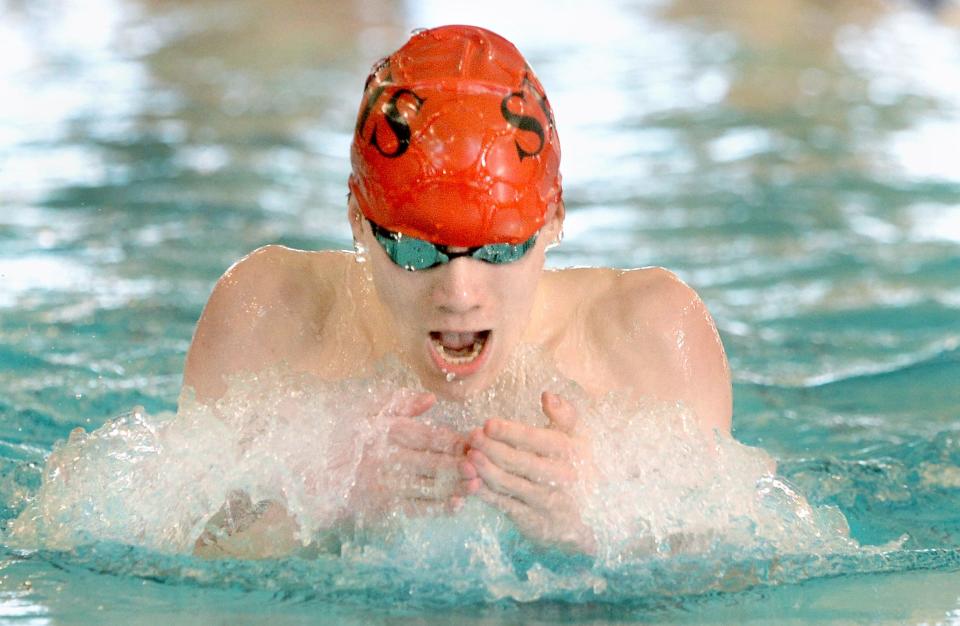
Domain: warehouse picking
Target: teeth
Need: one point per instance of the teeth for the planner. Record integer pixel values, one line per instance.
(459, 360)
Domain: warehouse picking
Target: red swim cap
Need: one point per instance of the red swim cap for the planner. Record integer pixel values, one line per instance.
(455, 141)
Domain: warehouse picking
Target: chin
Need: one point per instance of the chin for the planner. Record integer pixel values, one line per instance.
(459, 389)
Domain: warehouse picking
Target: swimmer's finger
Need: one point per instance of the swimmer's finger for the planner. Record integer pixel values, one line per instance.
(419, 487)
(542, 441)
(562, 414)
(423, 463)
(424, 488)
(467, 470)
(536, 468)
(412, 434)
(515, 509)
(469, 486)
(505, 483)
(409, 404)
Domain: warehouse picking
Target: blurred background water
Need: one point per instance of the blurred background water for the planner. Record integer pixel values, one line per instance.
(794, 161)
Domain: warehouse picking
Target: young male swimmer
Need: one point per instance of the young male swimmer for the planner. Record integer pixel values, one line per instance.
(454, 197)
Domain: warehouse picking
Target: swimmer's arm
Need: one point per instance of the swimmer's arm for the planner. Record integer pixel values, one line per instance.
(703, 366)
(676, 324)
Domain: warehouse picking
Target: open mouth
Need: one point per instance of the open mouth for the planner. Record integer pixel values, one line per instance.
(459, 352)
(459, 348)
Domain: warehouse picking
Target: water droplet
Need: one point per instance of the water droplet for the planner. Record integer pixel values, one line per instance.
(361, 252)
(450, 377)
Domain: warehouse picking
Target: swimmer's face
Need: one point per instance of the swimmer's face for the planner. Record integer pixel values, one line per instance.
(457, 324)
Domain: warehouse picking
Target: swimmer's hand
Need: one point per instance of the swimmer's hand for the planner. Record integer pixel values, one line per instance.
(244, 530)
(415, 470)
(530, 473)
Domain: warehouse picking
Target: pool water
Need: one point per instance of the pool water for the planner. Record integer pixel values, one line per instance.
(794, 162)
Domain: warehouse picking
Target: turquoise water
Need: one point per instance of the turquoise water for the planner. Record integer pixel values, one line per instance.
(794, 163)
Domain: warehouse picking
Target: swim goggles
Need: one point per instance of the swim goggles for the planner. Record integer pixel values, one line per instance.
(414, 254)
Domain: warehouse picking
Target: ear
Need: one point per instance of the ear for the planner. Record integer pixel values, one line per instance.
(560, 212)
(354, 215)
(554, 224)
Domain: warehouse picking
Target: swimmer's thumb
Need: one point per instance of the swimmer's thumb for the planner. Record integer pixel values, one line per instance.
(562, 414)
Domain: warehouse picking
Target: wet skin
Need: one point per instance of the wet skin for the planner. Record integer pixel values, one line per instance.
(642, 333)
(461, 296)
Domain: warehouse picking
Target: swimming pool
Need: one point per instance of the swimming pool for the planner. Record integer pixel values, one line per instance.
(792, 163)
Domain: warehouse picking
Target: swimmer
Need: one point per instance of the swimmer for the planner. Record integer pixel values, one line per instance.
(454, 198)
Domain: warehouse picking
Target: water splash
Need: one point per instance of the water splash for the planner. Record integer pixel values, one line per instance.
(670, 494)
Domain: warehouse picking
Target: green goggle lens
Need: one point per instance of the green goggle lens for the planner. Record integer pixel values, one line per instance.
(414, 254)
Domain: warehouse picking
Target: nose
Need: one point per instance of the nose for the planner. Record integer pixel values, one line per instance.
(458, 287)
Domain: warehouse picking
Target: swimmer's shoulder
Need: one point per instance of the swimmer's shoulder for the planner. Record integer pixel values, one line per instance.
(274, 281)
(649, 323)
(642, 303)
(623, 292)
(264, 309)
